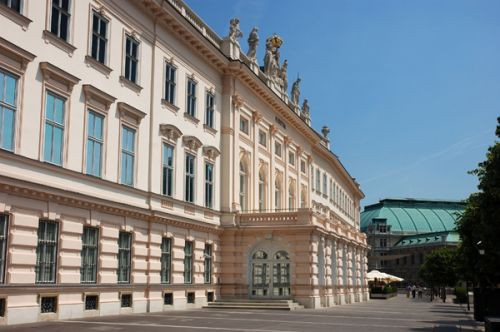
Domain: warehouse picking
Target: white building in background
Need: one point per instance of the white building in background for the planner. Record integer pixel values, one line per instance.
(147, 164)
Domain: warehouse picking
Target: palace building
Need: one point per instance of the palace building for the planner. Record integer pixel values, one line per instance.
(148, 164)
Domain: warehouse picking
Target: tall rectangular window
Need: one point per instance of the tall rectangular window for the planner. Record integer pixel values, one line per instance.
(325, 184)
(210, 111)
(124, 245)
(168, 170)
(262, 138)
(12, 4)
(189, 185)
(207, 254)
(166, 259)
(318, 180)
(188, 262)
(46, 252)
(128, 156)
(99, 37)
(4, 223)
(209, 184)
(244, 126)
(59, 21)
(131, 58)
(8, 107)
(170, 83)
(277, 148)
(191, 98)
(94, 143)
(54, 129)
(88, 269)
(291, 158)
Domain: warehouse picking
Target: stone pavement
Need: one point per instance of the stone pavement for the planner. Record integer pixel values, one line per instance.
(397, 314)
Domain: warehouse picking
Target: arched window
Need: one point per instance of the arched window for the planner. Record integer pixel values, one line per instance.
(262, 190)
(277, 193)
(291, 195)
(243, 186)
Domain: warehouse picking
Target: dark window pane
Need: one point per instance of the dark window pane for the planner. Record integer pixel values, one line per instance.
(94, 46)
(54, 20)
(65, 4)
(102, 49)
(64, 27)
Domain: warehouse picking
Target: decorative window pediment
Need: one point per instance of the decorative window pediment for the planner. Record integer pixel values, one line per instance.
(97, 98)
(58, 78)
(128, 111)
(191, 142)
(211, 152)
(14, 56)
(170, 132)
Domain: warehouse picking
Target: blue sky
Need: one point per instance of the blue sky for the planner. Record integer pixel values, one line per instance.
(409, 88)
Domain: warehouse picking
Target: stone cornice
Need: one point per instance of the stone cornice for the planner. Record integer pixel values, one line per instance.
(170, 132)
(92, 93)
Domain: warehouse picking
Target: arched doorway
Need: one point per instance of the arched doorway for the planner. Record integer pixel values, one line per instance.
(270, 274)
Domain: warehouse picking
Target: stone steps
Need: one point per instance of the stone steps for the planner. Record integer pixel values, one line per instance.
(252, 304)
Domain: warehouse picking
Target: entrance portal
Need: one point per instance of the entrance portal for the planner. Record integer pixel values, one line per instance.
(262, 285)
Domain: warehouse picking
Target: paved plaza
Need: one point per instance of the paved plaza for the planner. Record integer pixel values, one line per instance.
(397, 314)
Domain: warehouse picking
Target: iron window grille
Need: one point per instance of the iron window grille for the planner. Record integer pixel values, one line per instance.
(131, 58)
(166, 260)
(89, 254)
(190, 297)
(208, 263)
(48, 304)
(188, 262)
(4, 221)
(91, 302)
(168, 299)
(46, 252)
(124, 247)
(59, 23)
(99, 37)
(126, 300)
(8, 108)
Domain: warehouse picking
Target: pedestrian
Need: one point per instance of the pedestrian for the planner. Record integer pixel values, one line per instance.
(420, 291)
(413, 291)
(408, 291)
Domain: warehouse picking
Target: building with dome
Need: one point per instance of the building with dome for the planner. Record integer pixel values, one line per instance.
(401, 232)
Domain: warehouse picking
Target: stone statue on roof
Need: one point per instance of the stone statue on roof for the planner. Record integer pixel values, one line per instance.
(270, 65)
(304, 113)
(296, 92)
(283, 75)
(234, 30)
(253, 41)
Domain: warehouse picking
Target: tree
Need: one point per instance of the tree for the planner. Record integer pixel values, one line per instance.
(479, 225)
(439, 269)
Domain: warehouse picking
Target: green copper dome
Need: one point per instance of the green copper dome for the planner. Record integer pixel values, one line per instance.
(414, 215)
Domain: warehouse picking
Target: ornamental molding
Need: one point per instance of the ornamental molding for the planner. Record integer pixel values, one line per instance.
(227, 131)
(211, 152)
(237, 101)
(19, 55)
(192, 143)
(256, 116)
(58, 77)
(170, 132)
(273, 129)
(93, 95)
(125, 109)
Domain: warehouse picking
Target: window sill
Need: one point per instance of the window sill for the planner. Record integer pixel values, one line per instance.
(97, 65)
(209, 129)
(191, 118)
(169, 105)
(58, 42)
(15, 17)
(131, 85)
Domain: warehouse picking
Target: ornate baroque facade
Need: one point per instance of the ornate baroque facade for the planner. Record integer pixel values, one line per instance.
(147, 164)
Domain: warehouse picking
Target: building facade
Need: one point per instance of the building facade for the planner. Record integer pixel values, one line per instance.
(147, 164)
(401, 232)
